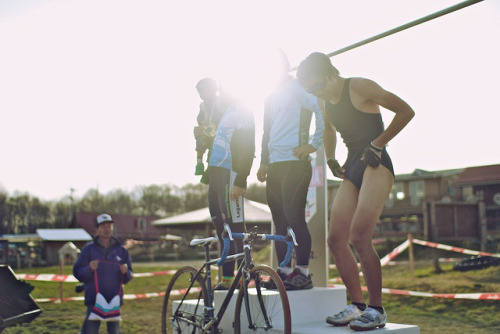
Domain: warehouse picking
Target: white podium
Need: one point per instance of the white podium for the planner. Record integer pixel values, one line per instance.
(309, 309)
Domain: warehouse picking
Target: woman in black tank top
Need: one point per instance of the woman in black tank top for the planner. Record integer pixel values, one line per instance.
(351, 106)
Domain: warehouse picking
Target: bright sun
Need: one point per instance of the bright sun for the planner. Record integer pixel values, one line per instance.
(252, 75)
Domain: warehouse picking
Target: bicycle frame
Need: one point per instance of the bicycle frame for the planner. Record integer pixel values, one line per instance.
(243, 275)
(214, 321)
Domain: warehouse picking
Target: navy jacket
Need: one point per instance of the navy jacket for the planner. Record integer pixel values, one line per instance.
(108, 272)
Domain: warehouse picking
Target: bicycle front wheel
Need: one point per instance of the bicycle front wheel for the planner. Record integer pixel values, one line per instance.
(182, 309)
(263, 305)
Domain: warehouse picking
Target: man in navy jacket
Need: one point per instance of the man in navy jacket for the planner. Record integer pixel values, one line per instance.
(111, 260)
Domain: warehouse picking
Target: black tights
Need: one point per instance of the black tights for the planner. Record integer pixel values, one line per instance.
(287, 185)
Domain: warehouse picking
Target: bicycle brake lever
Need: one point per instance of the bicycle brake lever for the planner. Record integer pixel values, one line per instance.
(291, 234)
(227, 229)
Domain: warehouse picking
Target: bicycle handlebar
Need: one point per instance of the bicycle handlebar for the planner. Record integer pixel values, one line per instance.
(243, 236)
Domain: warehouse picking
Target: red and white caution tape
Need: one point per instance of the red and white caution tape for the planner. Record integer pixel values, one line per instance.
(384, 261)
(44, 300)
(71, 278)
(396, 263)
(144, 295)
(127, 296)
(158, 273)
(387, 259)
(398, 250)
(452, 248)
(477, 296)
(47, 277)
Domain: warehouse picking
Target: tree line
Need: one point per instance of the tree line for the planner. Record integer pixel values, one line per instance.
(22, 213)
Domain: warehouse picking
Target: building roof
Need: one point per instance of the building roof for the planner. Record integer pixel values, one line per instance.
(480, 175)
(20, 238)
(254, 213)
(63, 234)
(417, 174)
(421, 174)
(126, 226)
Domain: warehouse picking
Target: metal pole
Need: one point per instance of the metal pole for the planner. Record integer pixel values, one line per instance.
(61, 272)
(411, 255)
(403, 27)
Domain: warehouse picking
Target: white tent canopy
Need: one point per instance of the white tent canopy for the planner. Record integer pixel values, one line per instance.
(254, 213)
(171, 237)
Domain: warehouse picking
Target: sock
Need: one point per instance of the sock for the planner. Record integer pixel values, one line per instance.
(378, 308)
(286, 270)
(304, 270)
(227, 280)
(361, 306)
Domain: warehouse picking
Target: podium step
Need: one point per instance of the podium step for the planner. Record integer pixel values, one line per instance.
(314, 305)
(325, 328)
(309, 309)
(306, 306)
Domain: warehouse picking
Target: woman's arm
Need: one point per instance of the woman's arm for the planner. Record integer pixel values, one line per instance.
(372, 93)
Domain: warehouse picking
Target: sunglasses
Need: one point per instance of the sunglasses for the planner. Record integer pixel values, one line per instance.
(316, 88)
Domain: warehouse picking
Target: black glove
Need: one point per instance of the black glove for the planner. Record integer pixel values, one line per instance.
(334, 166)
(372, 155)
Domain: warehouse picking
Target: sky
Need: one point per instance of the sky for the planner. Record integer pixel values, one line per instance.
(101, 93)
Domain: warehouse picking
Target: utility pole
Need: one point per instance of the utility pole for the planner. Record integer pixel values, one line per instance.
(71, 209)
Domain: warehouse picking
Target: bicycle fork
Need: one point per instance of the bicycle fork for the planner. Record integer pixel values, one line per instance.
(246, 295)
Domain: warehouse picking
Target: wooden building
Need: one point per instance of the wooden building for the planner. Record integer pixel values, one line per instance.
(456, 204)
(126, 226)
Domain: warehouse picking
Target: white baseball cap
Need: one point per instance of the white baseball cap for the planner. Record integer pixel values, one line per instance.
(103, 218)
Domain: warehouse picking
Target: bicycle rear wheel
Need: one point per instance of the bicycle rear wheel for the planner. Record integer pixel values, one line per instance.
(268, 307)
(183, 310)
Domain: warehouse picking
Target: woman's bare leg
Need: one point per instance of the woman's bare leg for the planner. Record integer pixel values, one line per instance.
(377, 184)
(344, 206)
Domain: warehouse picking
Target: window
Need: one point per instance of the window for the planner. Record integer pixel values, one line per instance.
(398, 191)
(397, 194)
(141, 224)
(417, 189)
(451, 189)
(468, 194)
(389, 203)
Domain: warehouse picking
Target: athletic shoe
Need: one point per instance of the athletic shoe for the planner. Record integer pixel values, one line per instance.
(350, 313)
(370, 319)
(199, 169)
(298, 281)
(270, 284)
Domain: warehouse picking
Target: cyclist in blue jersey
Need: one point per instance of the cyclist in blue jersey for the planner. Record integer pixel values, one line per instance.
(286, 167)
(351, 106)
(229, 166)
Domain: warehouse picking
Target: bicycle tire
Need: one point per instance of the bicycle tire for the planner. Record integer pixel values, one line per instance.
(275, 302)
(189, 319)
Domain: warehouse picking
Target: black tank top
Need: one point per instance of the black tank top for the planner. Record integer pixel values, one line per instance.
(357, 128)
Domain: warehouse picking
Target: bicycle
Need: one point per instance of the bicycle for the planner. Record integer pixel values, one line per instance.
(261, 303)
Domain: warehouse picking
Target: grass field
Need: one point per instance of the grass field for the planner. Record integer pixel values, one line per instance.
(432, 315)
